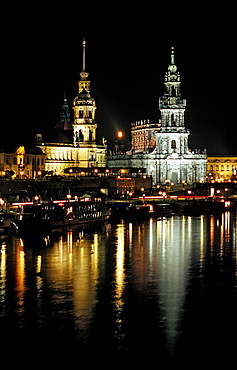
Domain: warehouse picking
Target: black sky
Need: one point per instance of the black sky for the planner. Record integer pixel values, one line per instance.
(127, 56)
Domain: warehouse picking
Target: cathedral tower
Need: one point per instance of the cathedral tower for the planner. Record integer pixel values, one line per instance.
(64, 122)
(173, 136)
(175, 162)
(84, 126)
(172, 105)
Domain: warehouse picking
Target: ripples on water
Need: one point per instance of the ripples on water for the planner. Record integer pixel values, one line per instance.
(125, 294)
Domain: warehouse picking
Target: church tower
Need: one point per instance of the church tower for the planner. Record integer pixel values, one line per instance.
(172, 105)
(173, 137)
(64, 122)
(174, 161)
(84, 126)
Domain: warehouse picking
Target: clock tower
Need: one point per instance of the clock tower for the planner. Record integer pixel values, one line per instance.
(84, 126)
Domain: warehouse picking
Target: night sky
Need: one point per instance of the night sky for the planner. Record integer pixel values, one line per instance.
(127, 56)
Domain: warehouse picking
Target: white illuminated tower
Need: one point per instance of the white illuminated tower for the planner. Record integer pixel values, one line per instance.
(173, 136)
(175, 162)
(84, 126)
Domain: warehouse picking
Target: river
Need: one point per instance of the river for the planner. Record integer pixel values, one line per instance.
(125, 294)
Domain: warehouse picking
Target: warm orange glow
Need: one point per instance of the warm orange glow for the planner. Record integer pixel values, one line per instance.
(120, 134)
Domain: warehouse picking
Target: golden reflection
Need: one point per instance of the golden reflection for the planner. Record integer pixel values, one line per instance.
(130, 239)
(201, 253)
(119, 274)
(119, 281)
(20, 276)
(3, 261)
(3, 272)
(94, 256)
(222, 233)
(72, 265)
(227, 227)
(225, 232)
(212, 231)
(69, 241)
(38, 264)
(151, 234)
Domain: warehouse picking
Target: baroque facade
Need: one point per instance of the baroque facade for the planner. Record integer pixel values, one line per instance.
(221, 168)
(22, 162)
(73, 147)
(162, 148)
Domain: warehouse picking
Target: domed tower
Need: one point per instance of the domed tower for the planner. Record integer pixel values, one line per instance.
(84, 126)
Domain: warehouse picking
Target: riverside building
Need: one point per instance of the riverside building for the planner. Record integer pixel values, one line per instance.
(72, 147)
(162, 148)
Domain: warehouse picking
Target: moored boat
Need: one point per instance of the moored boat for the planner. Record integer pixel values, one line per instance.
(62, 213)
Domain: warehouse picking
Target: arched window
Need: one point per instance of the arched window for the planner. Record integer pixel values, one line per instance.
(172, 120)
(80, 136)
(173, 144)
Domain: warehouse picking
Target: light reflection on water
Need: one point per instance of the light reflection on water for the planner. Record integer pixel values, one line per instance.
(125, 289)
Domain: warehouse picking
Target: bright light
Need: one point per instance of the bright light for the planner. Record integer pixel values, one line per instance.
(120, 134)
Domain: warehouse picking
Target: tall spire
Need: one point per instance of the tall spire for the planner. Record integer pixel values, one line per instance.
(172, 67)
(172, 55)
(84, 84)
(83, 55)
(172, 105)
(64, 116)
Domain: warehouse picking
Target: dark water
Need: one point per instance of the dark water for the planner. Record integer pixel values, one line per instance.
(148, 294)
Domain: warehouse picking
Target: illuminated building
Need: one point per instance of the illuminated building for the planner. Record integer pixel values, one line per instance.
(222, 168)
(24, 162)
(162, 148)
(143, 135)
(73, 146)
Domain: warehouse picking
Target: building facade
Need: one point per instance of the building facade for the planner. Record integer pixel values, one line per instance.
(73, 146)
(221, 168)
(162, 148)
(24, 162)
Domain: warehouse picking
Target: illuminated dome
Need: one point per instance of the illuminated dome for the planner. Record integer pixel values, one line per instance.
(83, 98)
